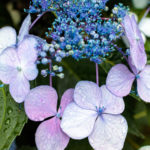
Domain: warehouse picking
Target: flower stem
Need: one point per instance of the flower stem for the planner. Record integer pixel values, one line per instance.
(36, 20)
(97, 75)
(145, 14)
(50, 76)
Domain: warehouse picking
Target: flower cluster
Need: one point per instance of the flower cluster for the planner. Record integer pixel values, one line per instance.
(81, 30)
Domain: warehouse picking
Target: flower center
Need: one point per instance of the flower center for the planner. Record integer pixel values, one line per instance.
(58, 115)
(137, 76)
(100, 110)
(19, 69)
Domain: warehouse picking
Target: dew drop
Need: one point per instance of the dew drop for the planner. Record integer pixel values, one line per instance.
(9, 110)
(7, 122)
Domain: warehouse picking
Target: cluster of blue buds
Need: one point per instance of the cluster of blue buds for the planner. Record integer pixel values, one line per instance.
(120, 11)
(47, 54)
(38, 6)
(80, 30)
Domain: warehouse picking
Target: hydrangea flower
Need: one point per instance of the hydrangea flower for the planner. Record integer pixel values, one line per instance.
(95, 113)
(8, 35)
(120, 78)
(41, 103)
(17, 67)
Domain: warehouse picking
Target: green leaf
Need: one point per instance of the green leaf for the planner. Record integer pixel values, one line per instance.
(12, 119)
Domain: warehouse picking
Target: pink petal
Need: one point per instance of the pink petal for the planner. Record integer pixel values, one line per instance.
(109, 133)
(49, 136)
(24, 30)
(41, 103)
(30, 71)
(7, 38)
(119, 80)
(19, 88)
(27, 51)
(76, 122)
(8, 65)
(87, 95)
(66, 99)
(112, 103)
(143, 84)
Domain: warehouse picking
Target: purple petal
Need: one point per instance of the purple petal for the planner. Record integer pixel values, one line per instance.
(66, 99)
(129, 31)
(109, 133)
(7, 38)
(30, 71)
(8, 65)
(133, 68)
(111, 103)
(137, 50)
(143, 84)
(24, 30)
(41, 103)
(76, 122)
(119, 80)
(87, 95)
(49, 136)
(138, 56)
(19, 87)
(27, 51)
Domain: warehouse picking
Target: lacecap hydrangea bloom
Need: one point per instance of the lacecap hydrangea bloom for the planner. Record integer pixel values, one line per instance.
(41, 103)
(17, 60)
(95, 113)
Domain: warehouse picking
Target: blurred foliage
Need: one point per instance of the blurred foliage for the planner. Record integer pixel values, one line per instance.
(137, 112)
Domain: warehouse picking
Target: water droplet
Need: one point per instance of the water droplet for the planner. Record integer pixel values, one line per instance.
(7, 122)
(9, 110)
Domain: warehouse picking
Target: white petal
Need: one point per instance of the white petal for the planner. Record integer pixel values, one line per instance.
(19, 88)
(87, 95)
(7, 38)
(112, 104)
(78, 123)
(109, 133)
(8, 65)
(145, 147)
(145, 26)
(24, 30)
(140, 4)
(143, 84)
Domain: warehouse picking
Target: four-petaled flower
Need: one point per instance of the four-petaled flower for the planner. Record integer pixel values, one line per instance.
(95, 113)
(120, 78)
(17, 67)
(40, 104)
